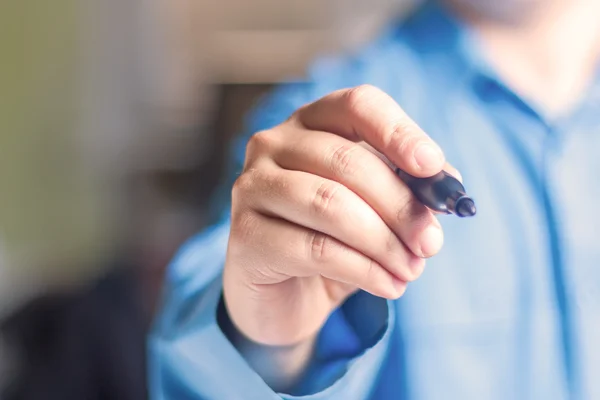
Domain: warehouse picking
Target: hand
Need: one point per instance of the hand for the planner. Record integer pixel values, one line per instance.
(318, 214)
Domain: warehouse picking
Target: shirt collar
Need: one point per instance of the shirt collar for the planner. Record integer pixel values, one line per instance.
(433, 31)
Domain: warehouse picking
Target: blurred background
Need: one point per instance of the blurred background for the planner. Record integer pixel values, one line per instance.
(115, 118)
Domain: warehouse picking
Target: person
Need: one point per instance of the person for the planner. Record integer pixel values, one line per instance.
(314, 286)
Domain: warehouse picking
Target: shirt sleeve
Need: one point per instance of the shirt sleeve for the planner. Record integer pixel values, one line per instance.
(191, 358)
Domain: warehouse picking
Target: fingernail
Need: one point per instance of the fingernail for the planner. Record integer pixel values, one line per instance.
(432, 240)
(429, 157)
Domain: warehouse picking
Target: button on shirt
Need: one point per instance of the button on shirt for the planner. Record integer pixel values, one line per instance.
(509, 309)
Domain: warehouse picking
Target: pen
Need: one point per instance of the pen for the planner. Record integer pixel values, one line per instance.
(441, 192)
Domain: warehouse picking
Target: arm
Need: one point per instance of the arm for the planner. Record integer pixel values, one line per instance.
(286, 273)
(191, 358)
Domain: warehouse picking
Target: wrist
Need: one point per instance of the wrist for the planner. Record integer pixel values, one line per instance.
(281, 367)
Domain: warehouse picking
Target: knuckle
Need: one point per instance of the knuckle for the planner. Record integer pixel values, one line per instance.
(256, 184)
(320, 247)
(260, 142)
(371, 272)
(243, 186)
(325, 197)
(295, 117)
(359, 95)
(403, 138)
(345, 161)
(243, 226)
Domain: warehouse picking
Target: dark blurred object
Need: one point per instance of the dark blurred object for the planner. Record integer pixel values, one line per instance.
(88, 345)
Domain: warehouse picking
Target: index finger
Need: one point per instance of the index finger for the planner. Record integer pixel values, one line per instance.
(369, 114)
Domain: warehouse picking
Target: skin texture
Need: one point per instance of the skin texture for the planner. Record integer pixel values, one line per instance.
(310, 189)
(312, 186)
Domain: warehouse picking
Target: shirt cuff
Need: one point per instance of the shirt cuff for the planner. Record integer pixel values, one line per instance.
(360, 324)
(190, 357)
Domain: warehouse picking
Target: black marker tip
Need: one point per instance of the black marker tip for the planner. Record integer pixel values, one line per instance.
(465, 207)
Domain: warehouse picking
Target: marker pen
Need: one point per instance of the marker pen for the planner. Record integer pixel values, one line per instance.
(441, 192)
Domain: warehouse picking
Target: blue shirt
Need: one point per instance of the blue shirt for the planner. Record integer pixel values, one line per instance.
(509, 309)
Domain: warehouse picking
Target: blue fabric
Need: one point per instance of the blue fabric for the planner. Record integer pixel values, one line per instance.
(510, 308)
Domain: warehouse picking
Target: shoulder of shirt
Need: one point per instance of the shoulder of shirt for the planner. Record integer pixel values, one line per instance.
(201, 258)
(383, 62)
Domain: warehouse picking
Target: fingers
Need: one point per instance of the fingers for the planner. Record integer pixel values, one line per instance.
(297, 251)
(367, 113)
(329, 207)
(368, 176)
